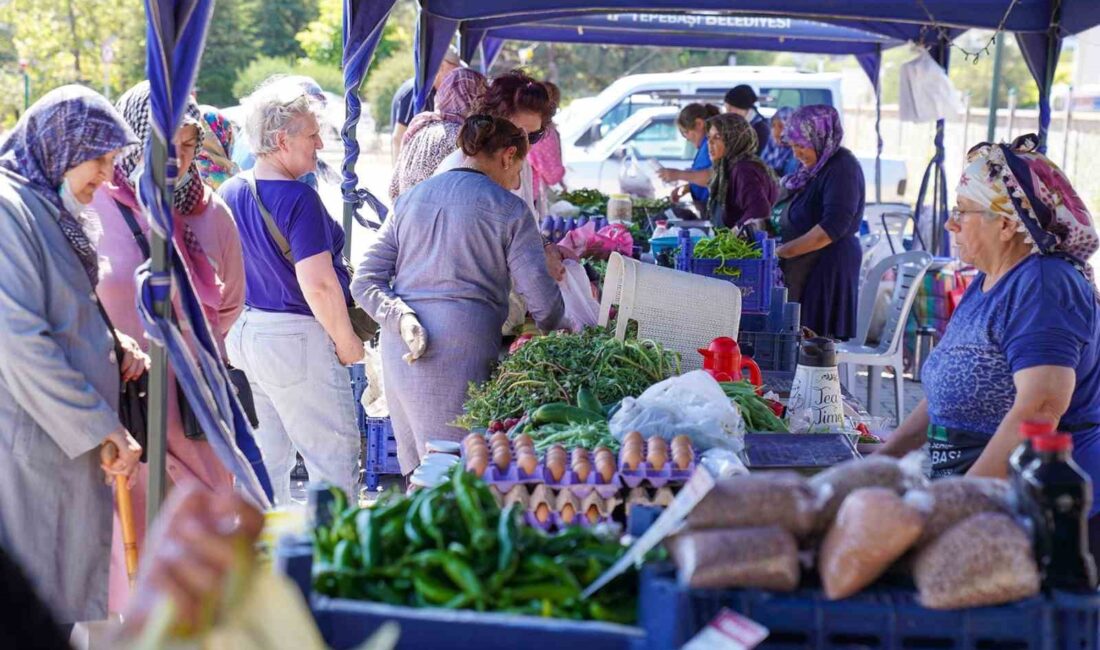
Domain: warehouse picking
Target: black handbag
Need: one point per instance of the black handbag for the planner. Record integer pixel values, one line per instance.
(133, 398)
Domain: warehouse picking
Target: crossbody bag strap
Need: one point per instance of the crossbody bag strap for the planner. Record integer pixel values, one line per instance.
(135, 228)
(269, 221)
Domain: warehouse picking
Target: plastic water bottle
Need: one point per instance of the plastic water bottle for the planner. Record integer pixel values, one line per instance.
(1063, 493)
(570, 226)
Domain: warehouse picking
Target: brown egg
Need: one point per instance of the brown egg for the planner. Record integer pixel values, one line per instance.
(657, 459)
(480, 452)
(568, 513)
(681, 441)
(593, 514)
(502, 457)
(527, 462)
(542, 513)
(523, 440)
(477, 465)
(602, 451)
(632, 459)
(579, 453)
(499, 436)
(556, 467)
(605, 467)
(682, 459)
(656, 444)
(633, 435)
(472, 439)
(582, 469)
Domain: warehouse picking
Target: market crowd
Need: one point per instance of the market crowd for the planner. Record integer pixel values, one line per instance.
(459, 261)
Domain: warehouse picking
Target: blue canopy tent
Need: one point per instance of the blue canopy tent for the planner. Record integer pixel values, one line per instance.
(1040, 26)
(175, 36)
(702, 31)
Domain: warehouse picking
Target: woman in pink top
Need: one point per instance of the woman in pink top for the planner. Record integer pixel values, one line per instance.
(545, 155)
(207, 238)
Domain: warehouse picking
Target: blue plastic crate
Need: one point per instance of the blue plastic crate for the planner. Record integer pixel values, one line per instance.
(755, 279)
(881, 617)
(771, 350)
(347, 623)
(381, 446)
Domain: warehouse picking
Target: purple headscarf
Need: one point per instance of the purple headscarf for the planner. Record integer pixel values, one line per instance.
(459, 92)
(813, 127)
(68, 126)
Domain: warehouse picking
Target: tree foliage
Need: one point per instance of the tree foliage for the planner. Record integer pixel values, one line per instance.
(230, 47)
(279, 22)
(328, 77)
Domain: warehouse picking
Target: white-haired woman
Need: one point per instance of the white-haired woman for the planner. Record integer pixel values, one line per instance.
(295, 338)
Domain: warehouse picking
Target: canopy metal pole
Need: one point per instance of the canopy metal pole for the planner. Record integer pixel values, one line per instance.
(1011, 114)
(1069, 124)
(878, 133)
(157, 421)
(995, 89)
(349, 207)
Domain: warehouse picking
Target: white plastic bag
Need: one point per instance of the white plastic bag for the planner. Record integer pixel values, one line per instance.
(581, 306)
(692, 404)
(374, 397)
(633, 179)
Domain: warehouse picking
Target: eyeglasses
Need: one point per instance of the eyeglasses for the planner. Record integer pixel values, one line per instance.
(956, 214)
(534, 136)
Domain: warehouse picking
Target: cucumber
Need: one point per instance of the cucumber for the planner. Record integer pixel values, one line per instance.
(586, 400)
(564, 414)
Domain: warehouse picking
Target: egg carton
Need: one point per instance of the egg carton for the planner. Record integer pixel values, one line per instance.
(556, 504)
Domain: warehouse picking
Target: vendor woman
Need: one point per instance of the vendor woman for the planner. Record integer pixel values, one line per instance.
(817, 216)
(436, 278)
(1024, 342)
(692, 123)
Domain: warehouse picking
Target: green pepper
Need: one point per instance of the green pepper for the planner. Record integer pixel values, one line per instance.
(549, 590)
(462, 575)
(426, 516)
(470, 509)
(369, 538)
(506, 533)
(625, 613)
(458, 602)
(434, 591)
(416, 540)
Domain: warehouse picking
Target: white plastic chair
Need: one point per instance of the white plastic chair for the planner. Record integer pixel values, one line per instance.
(870, 245)
(681, 311)
(889, 351)
(891, 220)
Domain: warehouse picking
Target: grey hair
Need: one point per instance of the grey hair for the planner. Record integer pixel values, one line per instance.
(269, 113)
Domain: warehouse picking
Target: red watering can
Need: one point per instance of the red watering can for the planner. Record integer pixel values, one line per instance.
(724, 362)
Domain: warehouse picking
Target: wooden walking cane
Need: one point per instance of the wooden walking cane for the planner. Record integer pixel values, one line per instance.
(125, 514)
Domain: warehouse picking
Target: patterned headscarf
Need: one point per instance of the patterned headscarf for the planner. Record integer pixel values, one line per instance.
(777, 154)
(1018, 182)
(813, 127)
(213, 161)
(740, 140)
(134, 105)
(66, 127)
(459, 92)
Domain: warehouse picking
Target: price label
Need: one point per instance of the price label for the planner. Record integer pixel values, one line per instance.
(729, 631)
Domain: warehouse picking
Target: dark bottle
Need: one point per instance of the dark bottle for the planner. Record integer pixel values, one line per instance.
(1063, 493)
(1025, 453)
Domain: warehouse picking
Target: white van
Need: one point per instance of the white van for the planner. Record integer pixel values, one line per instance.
(593, 160)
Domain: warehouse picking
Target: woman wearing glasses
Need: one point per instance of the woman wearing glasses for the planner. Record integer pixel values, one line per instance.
(1024, 342)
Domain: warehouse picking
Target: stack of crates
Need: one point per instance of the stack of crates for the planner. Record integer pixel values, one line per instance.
(379, 444)
(772, 338)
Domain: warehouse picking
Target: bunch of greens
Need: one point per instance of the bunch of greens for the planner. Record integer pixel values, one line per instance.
(755, 411)
(588, 201)
(727, 247)
(451, 546)
(554, 368)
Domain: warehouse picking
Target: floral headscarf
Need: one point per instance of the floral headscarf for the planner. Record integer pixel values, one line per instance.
(777, 154)
(740, 144)
(135, 105)
(459, 92)
(213, 161)
(1018, 182)
(814, 127)
(68, 126)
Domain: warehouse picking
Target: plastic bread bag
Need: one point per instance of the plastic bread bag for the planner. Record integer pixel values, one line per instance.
(875, 527)
(873, 471)
(691, 404)
(958, 498)
(985, 560)
(762, 558)
(781, 499)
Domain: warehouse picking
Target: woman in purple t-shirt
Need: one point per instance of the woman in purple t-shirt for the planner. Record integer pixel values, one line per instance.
(294, 339)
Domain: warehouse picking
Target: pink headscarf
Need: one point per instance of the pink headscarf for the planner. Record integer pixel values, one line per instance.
(456, 97)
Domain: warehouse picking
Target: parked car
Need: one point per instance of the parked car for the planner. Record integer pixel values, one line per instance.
(638, 114)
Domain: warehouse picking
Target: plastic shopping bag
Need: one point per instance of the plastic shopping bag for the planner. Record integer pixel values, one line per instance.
(633, 179)
(580, 305)
(692, 404)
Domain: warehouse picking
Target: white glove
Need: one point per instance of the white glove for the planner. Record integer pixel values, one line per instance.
(414, 336)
